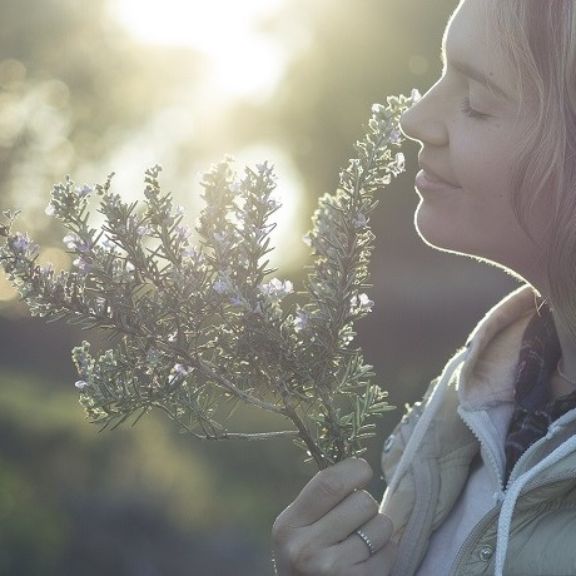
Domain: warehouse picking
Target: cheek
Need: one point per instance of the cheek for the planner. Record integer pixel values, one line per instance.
(477, 219)
(482, 163)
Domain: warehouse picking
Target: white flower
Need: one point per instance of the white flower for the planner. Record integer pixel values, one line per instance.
(74, 242)
(70, 241)
(400, 161)
(307, 239)
(276, 288)
(273, 204)
(129, 267)
(107, 243)
(81, 385)
(361, 303)
(181, 370)
(82, 265)
(50, 210)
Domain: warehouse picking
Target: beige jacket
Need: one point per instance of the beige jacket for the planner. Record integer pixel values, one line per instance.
(435, 457)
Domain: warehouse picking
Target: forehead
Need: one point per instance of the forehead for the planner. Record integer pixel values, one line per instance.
(469, 38)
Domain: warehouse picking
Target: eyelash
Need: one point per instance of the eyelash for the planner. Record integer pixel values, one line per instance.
(470, 112)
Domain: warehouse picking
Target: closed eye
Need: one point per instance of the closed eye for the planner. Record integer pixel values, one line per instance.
(470, 112)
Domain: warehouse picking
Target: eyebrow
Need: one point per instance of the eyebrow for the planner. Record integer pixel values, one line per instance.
(471, 72)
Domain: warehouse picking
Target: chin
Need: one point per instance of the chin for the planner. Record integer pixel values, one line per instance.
(450, 241)
(435, 232)
(442, 237)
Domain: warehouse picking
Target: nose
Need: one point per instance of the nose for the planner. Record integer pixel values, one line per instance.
(424, 121)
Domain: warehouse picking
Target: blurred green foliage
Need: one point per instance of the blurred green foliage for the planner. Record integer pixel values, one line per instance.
(75, 90)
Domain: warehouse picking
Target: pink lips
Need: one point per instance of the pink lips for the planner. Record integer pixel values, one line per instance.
(425, 181)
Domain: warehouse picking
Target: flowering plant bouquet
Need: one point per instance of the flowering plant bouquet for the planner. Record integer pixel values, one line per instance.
(196, 331)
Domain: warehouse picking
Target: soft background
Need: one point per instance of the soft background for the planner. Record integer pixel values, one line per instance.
(90, 87)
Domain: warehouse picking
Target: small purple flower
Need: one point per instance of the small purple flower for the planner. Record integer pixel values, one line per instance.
(83, 191)
(183, 232)
(83, 265)
(395, 137)
(143, 230)
(301, 321)
(223, 285)
(222, 239)
(192, 252)
(81, 385)
(360, 220)
(21, 243)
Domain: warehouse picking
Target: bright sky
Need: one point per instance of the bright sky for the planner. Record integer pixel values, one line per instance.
(242, 59)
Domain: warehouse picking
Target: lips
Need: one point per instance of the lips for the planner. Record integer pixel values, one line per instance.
(433, 177)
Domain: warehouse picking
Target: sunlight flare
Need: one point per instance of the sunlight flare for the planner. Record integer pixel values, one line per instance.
(241, 59)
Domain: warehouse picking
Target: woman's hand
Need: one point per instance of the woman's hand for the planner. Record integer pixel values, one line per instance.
(315, 535)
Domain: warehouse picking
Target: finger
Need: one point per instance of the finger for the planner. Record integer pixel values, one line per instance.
(328, 488)
(378, 531)
(355, 510)
(381, 563)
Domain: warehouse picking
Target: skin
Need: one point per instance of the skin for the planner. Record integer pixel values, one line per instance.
(477, 220)
(314, 536)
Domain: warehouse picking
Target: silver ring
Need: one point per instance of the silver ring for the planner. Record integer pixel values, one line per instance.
(366, 541)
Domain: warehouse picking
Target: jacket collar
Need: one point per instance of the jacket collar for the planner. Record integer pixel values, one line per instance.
(487, 377)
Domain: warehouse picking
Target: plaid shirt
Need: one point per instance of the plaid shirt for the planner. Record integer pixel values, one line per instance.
(534, 409)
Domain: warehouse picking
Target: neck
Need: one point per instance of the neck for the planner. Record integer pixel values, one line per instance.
(559, 385)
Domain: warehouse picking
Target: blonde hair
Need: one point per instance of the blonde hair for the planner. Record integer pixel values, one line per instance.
(539, 39)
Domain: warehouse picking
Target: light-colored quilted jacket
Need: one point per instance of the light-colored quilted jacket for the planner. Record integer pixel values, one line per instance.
(529, 528)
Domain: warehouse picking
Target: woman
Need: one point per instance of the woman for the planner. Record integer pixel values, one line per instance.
(482, 474)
